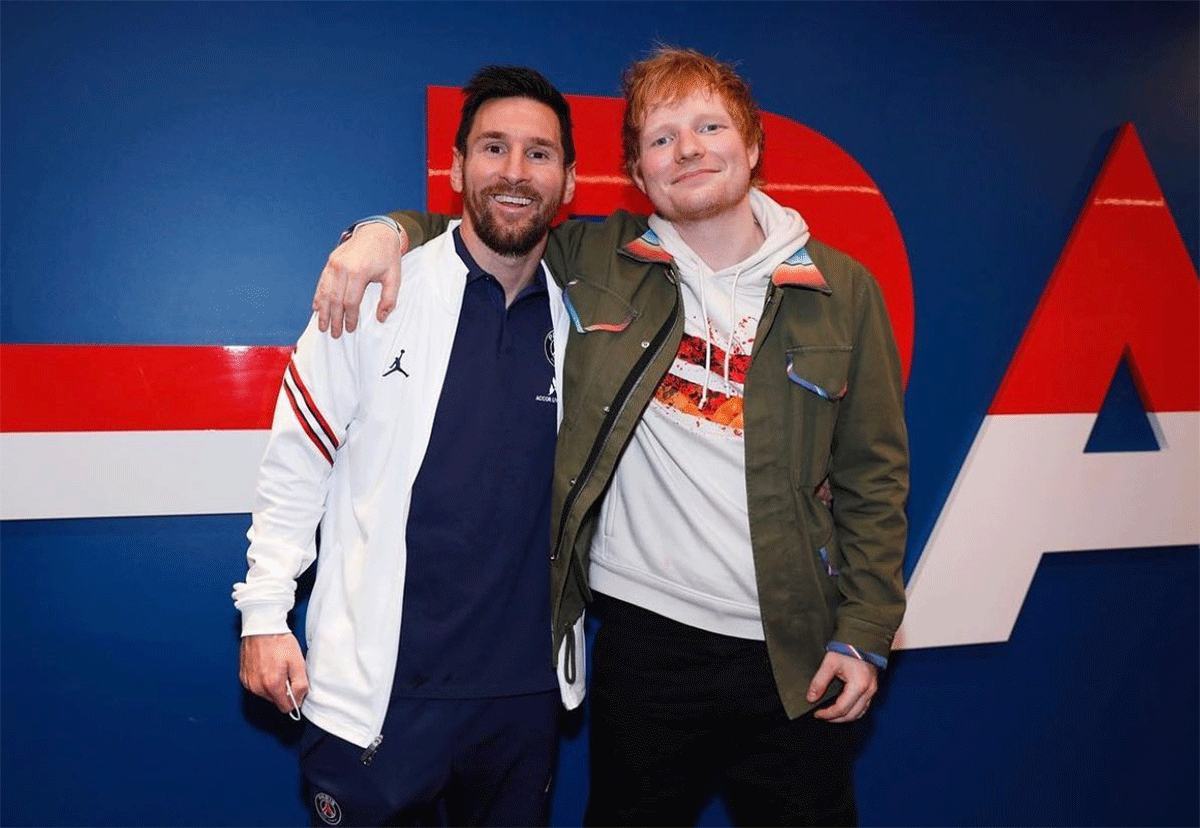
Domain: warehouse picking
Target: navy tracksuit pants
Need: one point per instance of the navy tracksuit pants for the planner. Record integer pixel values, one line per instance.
(485, 762)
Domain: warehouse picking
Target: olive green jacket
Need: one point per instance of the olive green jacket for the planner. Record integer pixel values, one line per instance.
(825, 440)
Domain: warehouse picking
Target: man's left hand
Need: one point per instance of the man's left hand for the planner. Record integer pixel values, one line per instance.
(861, 680)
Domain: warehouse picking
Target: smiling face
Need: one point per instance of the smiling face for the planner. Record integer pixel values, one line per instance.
(693, 163)
(513, 176)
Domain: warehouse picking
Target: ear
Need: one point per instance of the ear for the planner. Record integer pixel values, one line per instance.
(569, 185)
(752, 152)
(456, 172)
(635, 174)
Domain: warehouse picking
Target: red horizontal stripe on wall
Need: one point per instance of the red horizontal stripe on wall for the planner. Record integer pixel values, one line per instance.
(138, 387)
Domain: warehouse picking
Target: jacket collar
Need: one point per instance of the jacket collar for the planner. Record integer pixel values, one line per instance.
(475, 270)
(798, 270)
(647, 248)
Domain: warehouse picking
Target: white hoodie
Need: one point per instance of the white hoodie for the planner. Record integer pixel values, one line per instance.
(674, 530)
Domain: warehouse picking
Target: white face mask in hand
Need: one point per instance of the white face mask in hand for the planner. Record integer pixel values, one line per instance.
(294, 713)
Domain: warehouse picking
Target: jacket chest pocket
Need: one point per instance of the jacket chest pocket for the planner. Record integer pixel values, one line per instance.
(817, 380)
(597, 344)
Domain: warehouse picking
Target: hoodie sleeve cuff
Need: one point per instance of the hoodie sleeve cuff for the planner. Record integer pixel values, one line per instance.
(388, 220)
(264, 620)
(862, 655)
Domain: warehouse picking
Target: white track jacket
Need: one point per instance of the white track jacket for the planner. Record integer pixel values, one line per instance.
(351, 427)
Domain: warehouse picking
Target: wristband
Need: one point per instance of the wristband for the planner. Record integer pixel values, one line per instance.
(388, 220)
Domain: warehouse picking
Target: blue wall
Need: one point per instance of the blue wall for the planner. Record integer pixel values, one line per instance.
(176, 173)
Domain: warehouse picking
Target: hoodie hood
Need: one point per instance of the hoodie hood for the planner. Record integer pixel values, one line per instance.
(719, 304)
(785, 229)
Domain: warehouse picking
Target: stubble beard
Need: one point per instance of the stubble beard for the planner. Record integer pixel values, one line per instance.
(696, 207)
(508, 240)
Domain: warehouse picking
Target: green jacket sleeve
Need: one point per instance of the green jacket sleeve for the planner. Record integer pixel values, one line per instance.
(567, 241)
(421, 227)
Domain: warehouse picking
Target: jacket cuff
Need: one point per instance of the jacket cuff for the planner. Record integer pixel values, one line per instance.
(264, 620)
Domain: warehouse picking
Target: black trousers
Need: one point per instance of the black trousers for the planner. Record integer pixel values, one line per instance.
(678, 713)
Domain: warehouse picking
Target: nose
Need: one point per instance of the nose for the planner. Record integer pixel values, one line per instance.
(688, 146)
(515, 169)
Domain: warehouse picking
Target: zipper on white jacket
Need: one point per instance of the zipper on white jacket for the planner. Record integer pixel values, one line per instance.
(368, 755)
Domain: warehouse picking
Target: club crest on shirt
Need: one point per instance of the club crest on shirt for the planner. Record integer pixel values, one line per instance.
(328, 809)
(550, 346)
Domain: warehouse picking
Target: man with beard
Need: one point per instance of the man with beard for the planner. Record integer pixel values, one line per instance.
(423, 448)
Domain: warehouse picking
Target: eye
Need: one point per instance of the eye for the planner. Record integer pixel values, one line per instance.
(539, 155)
(712, 127)
(494, 149)
(661, 140)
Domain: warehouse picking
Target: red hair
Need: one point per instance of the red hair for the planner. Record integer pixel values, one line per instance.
(672, 73)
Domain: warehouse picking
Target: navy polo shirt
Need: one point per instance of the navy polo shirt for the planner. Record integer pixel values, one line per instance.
(476, 617)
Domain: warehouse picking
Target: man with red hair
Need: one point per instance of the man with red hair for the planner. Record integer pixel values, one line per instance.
(731, 470)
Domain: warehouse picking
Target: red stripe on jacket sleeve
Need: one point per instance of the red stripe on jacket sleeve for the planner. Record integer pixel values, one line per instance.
(308, 401)
(308, 429)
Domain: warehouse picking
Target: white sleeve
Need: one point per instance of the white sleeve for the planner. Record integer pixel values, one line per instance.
(318, 399)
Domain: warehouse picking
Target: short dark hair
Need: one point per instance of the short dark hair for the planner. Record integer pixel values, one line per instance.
(493, 82)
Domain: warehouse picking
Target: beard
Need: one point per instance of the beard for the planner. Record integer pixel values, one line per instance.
(511, 240)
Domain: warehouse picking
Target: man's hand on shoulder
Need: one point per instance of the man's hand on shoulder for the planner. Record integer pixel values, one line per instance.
(268, 663)
(371, 254)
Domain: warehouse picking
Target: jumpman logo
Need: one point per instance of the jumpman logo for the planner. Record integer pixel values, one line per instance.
(396, 366)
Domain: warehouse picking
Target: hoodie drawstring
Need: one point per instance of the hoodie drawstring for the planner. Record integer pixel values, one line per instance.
(732, 323)
(707, 343)
(708, 336)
